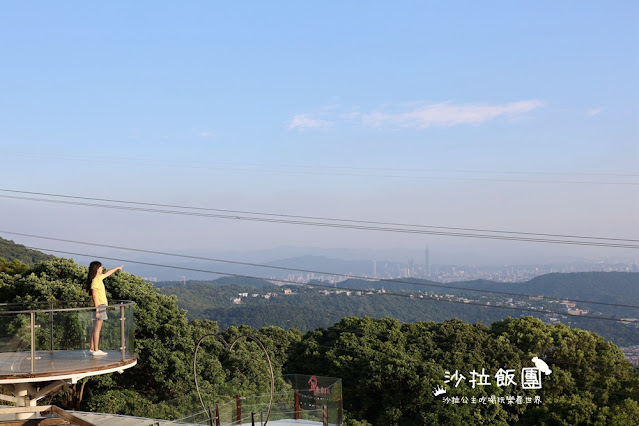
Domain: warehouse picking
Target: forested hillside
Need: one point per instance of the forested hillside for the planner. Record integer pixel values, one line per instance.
(389, 370)
(164, 338)
(12, 251)
(609, 287)
(308, 307)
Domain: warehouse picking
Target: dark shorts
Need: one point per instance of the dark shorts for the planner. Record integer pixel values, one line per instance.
(103, 313)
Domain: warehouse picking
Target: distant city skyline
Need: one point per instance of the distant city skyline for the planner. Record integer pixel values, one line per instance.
(517, 117)
(372, 267)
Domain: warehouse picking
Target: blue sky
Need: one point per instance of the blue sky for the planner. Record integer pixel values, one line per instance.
(316, 109)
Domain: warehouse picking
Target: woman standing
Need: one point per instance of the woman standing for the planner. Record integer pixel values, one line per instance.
(95, 287)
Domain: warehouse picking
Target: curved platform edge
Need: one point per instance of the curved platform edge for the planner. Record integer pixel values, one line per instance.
(72, 376)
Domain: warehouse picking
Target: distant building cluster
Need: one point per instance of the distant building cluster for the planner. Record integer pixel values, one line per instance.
(632, 354)
(304, 278)
(345, 292)
(453, 273)
(509, 273)
(241, 296)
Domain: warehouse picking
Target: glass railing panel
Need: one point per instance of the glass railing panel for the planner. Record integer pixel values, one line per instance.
(68, 330)
(129, 330)
(15, 334)
(110, 334)
(53, 337)
(15, 343)
(117, 330)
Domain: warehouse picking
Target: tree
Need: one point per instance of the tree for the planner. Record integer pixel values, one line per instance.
(390, 370)
(163, 337)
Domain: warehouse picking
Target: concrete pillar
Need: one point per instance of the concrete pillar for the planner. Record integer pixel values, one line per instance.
(22, 391)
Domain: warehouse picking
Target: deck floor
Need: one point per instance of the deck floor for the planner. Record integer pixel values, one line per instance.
(17, 365)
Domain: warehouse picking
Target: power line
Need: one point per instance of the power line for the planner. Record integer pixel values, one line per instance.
(309, 170)
(307, 166)
(537, 311)
(331, 222)
(343, 288)
(319, 217)
(284, 268)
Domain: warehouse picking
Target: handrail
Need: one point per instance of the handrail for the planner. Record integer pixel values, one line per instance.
(37, 329)
(88, 306)
(43, 301)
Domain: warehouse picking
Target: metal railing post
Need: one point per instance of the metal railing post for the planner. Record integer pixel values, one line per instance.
(51, 326)
(297, 404)
(122, 343)
(32, 327)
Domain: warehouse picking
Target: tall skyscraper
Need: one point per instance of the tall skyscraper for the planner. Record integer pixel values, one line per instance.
(374, 268)
(427, 262)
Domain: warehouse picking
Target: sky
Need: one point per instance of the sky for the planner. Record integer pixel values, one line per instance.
(518, 116)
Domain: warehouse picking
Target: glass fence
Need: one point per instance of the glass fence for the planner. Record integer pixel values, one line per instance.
(253, 410)
(53, 337)
(308, 400)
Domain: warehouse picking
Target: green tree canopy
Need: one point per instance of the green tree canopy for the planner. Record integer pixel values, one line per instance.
(390, 370)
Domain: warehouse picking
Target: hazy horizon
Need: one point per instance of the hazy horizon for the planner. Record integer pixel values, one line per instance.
(509, 117)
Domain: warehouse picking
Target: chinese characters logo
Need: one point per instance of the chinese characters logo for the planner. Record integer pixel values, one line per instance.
(529, 378)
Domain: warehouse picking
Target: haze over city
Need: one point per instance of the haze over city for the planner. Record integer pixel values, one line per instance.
(508, 117)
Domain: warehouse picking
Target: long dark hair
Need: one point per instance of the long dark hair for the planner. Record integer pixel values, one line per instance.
(94, 267)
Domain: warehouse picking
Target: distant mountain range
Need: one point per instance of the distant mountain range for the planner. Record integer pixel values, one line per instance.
(609, 287)
(391, 262)
(308, 308)
(235, 301)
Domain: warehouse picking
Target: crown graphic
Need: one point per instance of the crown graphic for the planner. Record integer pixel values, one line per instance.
(438, 391)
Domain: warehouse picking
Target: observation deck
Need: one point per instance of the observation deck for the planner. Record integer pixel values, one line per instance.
(49, 342)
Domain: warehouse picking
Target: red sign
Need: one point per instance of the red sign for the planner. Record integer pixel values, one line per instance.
(317, 390)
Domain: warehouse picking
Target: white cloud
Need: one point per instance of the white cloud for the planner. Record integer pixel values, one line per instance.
(420, 116)
(204, 134)
(304, 120)
(594, 111)
(448, 114)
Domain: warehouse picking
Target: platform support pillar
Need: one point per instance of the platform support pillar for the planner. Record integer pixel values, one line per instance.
(23, 392)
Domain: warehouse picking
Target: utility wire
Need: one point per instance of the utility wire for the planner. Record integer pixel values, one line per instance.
(332, 219)
(351, 276)
(342, 288)
(310, 170)
(345, 225)
(537, 311)
(305, 166)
